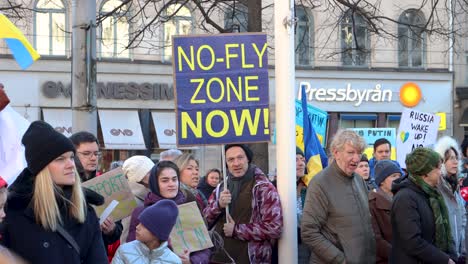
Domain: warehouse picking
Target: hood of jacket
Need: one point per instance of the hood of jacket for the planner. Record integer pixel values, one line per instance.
(404, 182)
(442, 145)
(204, 186)
(21, 191)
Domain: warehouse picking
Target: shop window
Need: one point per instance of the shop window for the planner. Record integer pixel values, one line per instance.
(179, 22)
(393, 121)
(304, 38)
(236, 19)
(357, 121)
(114, 30)
(355, 41)
(411, 39)
(50, 28)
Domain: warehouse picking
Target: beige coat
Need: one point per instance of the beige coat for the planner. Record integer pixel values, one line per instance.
(336, 224)
(140, 193)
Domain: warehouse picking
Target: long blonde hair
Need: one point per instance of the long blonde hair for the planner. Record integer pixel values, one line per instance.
(45, 205)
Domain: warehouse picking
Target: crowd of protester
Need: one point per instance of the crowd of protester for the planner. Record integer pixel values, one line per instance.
(356, 210)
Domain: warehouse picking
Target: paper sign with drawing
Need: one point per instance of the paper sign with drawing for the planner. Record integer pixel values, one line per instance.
(417, 129)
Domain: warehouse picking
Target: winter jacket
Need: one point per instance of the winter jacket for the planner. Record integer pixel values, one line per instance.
(413, 235)
(380, 207)
(266, 220)
(453, 200)
(201, 256)
(457, 214)
(32, 242)
(336, 222)
(137, 252)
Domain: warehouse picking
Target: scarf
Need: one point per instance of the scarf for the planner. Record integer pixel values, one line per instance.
(443, 235)
(234, 184)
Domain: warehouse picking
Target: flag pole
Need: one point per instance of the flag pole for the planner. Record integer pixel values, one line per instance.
(285, 126)
(223, 160)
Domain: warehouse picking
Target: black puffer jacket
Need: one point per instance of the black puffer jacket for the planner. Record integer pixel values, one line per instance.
(35, 244)
(413, 226)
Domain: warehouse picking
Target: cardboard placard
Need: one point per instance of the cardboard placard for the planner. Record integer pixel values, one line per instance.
(113, 186)
(190, 231)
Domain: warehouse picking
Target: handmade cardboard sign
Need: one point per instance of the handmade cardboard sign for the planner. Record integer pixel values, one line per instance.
(113, 186)
(190, 231)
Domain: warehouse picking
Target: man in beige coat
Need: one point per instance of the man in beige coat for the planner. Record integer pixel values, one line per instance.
(336, 222)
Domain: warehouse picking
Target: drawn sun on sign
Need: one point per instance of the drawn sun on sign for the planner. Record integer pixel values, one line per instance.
(410, 94)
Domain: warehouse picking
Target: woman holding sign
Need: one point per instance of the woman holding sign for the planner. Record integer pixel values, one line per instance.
(48, 219)
(164, 184)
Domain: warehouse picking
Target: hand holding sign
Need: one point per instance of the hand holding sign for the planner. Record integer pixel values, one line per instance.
(224, 199)
(229, 226)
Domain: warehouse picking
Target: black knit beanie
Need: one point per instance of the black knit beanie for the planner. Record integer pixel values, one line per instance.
(42, 145)
(247, 150)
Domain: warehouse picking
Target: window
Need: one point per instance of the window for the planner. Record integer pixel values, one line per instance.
(354, 40)
(50, 28)
(114, 30)
(179, 23)
(236, 19)
(393, 121)
(304, 38)
(411, 39)
(357, 121)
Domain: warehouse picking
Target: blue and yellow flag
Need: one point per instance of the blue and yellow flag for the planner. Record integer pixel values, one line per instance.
(20, 48)
(315, 156)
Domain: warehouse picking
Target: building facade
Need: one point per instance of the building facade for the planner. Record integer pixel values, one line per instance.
(349, 70)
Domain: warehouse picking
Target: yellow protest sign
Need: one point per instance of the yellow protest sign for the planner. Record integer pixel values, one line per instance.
(443, 120)
(113, 186)
(190, 231)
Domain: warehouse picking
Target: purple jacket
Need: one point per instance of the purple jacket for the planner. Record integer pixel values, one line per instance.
(266, 222)
(198, 257)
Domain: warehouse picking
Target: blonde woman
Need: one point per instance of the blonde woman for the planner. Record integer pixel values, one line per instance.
(190, 177)
(48, 219)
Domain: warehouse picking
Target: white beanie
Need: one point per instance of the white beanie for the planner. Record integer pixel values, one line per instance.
(136, 167)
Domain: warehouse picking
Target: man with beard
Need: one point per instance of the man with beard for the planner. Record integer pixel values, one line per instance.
(255, 219)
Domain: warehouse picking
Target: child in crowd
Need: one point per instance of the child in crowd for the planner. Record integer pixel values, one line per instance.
(364, 171)
(150, 246)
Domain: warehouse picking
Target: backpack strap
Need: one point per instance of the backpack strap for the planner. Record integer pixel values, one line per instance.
(69, 239)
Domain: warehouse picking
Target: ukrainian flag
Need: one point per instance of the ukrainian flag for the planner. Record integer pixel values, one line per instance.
(315, 156)
(20, 47)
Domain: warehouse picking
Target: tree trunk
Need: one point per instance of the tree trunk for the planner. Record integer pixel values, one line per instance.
(254, 16)
(260, 150)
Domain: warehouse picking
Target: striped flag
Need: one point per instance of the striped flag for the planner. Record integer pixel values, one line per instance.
(20, 47)
(315, 156)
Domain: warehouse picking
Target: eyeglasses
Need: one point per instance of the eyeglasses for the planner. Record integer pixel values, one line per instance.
(89, 154)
